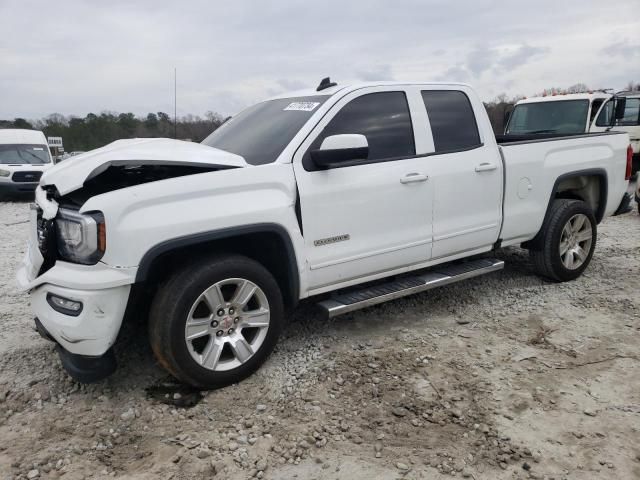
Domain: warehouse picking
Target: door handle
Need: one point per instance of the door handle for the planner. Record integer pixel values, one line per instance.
(486, 167)
(414, 178)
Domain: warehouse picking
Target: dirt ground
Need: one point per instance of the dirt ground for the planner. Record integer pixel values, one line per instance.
(505, 376)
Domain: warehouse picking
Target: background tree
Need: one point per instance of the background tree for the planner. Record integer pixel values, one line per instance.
(633, 86)
(498, 109)
(97, 130)
(22, 123)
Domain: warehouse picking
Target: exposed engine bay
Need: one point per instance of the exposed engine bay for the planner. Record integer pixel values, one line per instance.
(117, 177)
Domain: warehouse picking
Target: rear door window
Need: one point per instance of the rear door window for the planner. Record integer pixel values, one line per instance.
(453, 123)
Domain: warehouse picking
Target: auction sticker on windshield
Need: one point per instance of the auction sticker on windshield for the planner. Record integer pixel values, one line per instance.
(302, 106)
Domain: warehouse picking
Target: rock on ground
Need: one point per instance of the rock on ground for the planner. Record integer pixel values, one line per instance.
(476, 380)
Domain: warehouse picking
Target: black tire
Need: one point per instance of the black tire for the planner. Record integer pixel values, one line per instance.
(170, 310)
(546, 259)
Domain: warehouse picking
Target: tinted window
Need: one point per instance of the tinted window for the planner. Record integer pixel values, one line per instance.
(261, 132)
(553, 116)
(453, 123)
(381, 117)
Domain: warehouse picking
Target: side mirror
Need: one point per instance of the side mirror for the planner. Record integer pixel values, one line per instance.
(337, 149)
(621, 103)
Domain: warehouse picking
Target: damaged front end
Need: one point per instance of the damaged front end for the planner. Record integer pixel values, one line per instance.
(117, 177)
(127, 163)
(66, 231)
(78, 298)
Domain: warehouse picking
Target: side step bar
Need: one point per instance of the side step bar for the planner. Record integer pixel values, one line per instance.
(437, 277)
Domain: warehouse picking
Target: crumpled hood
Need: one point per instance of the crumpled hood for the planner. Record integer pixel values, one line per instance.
(71, 174)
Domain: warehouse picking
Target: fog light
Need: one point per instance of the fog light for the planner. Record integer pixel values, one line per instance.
(64, 305)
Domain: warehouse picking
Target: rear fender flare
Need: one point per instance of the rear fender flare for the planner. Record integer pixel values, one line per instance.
(600, 173)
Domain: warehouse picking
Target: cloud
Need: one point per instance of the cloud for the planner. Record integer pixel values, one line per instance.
(521, 55)
(484, 59)
(458, 73)
(120, 55)
(480, 60)
(623, 49)
(288, 84)
(379, 72)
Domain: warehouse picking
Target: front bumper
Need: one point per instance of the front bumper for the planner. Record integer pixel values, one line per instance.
(84, 369)
(92, 332)
(102, 290)
(17, 187)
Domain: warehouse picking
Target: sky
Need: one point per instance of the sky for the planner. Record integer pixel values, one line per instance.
(74, 57)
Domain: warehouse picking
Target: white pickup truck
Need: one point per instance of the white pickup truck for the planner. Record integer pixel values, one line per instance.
(353, 195)
(576, 113)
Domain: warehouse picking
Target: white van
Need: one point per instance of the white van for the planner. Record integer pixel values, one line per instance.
(24, 156)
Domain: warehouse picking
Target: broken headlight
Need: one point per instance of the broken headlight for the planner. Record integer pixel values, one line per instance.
(81, 238)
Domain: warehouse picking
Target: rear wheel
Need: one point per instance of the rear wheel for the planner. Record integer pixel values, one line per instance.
(214, 324)
(568, 241)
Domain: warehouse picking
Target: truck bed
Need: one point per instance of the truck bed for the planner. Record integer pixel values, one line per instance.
(534, 166)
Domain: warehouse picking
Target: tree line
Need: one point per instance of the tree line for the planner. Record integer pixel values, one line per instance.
(97, 130)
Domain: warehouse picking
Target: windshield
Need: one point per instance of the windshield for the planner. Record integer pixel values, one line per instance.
(22, 154)
(260, 133)
(564, 116)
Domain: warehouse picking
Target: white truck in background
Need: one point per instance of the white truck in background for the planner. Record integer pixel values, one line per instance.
(622, 113)
(577, 113)
(561, 114)
(24, 157)
(350, 195)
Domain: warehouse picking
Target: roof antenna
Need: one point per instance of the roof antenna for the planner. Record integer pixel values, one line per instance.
(325, 83)
(175, 103)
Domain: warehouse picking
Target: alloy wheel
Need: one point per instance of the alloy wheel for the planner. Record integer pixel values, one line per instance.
(227, 324)
(575, 241)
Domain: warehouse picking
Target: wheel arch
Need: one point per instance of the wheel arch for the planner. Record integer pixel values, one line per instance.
(590, 186)
(276, 253)
(577, 185)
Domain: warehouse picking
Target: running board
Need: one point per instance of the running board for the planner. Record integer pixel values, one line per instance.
(437, 277)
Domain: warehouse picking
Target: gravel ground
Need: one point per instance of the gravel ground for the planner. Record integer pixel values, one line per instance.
(502, 377)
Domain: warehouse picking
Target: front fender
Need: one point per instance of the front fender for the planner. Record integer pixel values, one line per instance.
(139, 219)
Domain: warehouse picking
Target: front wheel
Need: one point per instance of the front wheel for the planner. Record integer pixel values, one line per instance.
(568, 241)
(215, 323)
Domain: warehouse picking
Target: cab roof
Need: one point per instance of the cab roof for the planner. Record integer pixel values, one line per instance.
(308, 92)
(558, 97)
(21, 136)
